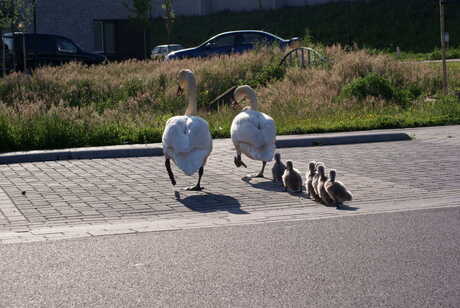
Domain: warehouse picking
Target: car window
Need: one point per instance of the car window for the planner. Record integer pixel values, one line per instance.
(156, 50)
(257, 38)
(66, 45)
(239, 39)
(163, 50)
(223, 41)
(41, 44)
(177, 47)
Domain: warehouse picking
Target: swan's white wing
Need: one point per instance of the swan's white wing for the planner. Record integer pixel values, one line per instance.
(187, 141)
(268, 129)
(175, 137)
(253, 133)
(199, 135)
(245, 129)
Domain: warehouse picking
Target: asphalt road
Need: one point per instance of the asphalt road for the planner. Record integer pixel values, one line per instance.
(404, 259)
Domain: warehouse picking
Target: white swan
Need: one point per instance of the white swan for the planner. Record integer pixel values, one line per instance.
(253, 132)
(186, 139)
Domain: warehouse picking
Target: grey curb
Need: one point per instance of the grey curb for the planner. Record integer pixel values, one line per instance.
(124, 151)
(339, 140)
(80, 153)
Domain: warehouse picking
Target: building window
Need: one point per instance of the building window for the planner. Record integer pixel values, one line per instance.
(104, 36)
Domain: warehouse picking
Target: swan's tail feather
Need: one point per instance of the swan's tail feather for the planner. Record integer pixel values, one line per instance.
(191, 162)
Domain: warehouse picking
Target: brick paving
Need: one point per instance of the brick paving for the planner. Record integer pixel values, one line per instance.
(89, 197)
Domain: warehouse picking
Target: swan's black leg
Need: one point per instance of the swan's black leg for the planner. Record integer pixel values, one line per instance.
(197, 187)
(170, 173)
(261, 173)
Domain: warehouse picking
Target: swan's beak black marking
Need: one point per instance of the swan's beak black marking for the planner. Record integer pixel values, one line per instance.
(233, 96)
(234, 102)
(180, 91)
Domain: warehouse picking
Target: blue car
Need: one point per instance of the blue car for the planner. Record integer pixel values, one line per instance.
(231, 42)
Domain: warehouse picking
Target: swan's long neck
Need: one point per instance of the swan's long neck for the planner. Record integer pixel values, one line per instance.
(246, 92)
(191, 94)
(251, 96)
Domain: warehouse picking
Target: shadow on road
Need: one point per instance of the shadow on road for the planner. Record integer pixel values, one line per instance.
(211, 203)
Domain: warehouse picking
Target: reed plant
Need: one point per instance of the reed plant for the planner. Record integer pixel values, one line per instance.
(129, 102)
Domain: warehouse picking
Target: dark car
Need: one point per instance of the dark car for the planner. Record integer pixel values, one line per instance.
(45, 49)
(231, 42)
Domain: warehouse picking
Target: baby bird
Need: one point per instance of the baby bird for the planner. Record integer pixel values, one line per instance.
(336, 190)
(309, 184)
(314, 181)
(278, 169)
(325, 198)
(291, 178)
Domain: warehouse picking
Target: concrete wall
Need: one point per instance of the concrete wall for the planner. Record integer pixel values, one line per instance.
(75, 18)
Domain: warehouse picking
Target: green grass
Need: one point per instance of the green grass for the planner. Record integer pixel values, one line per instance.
(129, 102)
(451, 53)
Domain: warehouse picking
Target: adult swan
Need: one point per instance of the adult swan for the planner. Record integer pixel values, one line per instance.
(186, 139)
(253, 132)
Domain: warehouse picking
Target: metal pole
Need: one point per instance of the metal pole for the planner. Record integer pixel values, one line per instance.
(443, 46)
(24, 51)
(3, 56)
(35, 15)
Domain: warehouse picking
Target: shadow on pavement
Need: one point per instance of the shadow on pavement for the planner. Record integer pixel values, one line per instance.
(344, 207)
(272, 186)
(266, 185)
(211, 203)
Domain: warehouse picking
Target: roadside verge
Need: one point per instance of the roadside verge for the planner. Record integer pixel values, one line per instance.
(155, 149)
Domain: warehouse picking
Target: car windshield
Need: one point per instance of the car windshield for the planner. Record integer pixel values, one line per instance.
(66, 45)
(223, 40)
(8, 41)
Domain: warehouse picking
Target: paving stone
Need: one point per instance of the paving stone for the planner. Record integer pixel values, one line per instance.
(380, 175)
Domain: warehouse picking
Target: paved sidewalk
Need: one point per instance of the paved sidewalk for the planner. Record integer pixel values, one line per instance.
(88, 197)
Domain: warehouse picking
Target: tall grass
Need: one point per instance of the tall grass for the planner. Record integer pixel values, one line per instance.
(129, 102)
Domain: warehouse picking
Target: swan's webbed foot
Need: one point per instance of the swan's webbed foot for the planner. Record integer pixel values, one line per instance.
(195, 188)
(252, 176)
(239, 162)
(261, 172)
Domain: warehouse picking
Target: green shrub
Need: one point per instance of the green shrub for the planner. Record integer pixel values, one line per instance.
(380, 87)
(451, 53)
(268, 74)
